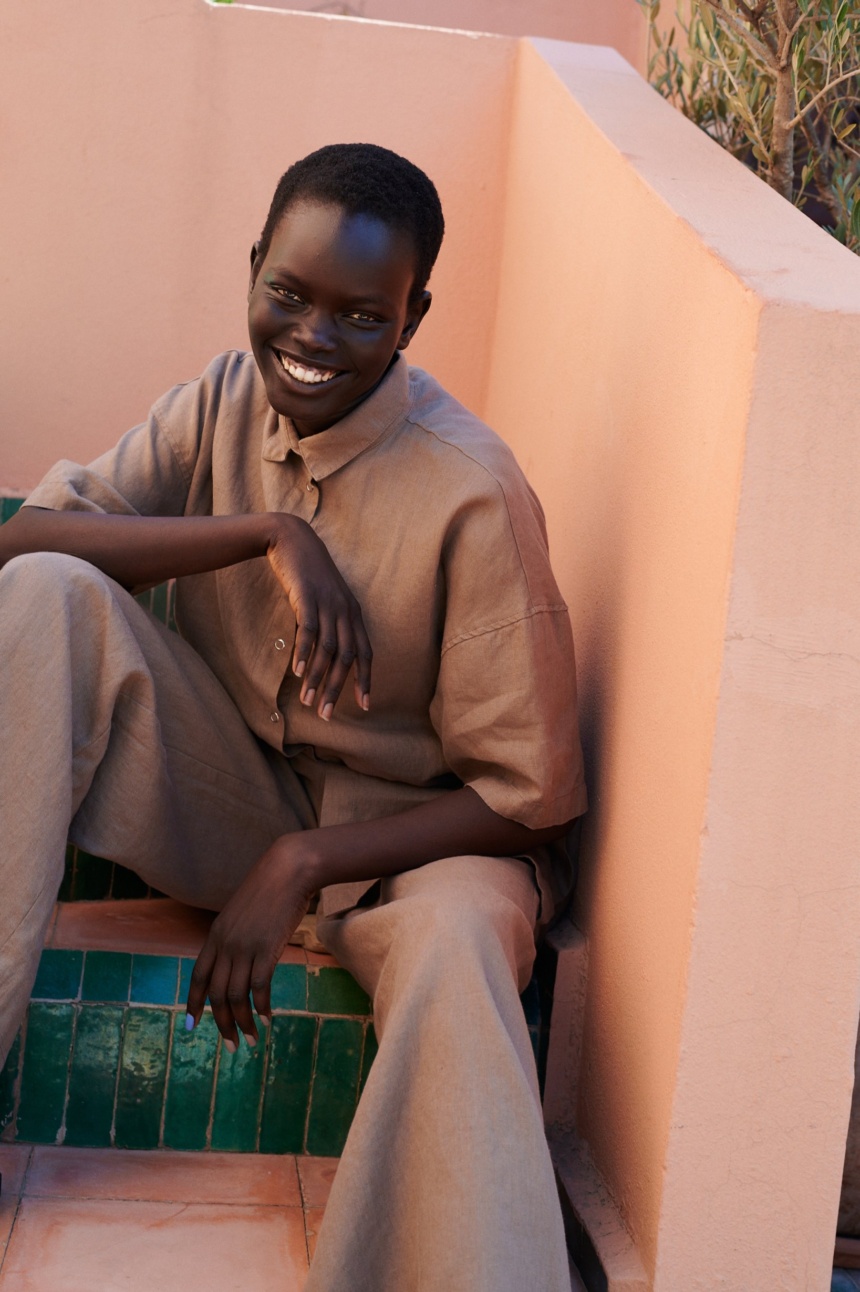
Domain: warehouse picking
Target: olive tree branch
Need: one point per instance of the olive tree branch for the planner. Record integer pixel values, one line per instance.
(831, 85)
(756, 46)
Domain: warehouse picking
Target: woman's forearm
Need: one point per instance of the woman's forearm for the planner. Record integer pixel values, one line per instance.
(453, 825)
(138, 551)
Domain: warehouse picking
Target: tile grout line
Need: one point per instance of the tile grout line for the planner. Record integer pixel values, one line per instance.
(18, 1202)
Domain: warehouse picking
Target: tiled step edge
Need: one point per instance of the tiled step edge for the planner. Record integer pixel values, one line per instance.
(103, 1059)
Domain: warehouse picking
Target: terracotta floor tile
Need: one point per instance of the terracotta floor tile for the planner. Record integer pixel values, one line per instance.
(13, 1164)
(320, 958)
(239, 1178)
(313, 1220)
(155, 925)
(60, 1245)
(316, 1175)
(161, 926)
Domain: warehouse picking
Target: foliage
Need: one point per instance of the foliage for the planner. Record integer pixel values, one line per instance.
(777, 83)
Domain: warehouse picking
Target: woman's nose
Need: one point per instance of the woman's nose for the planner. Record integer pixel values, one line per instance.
(315, 331)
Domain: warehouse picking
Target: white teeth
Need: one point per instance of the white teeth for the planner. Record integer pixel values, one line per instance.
(309, 376)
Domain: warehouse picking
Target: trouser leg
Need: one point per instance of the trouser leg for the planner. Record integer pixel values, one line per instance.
(119, 736)
(445, 1184)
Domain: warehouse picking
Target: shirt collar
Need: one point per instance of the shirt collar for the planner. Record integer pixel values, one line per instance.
(328, 451)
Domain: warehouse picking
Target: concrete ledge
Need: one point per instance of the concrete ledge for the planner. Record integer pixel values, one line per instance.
(601, 1246)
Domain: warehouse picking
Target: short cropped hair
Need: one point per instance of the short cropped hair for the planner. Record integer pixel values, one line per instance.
(365, 179)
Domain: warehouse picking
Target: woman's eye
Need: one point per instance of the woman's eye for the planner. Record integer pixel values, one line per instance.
(363, 318)
(287, 294)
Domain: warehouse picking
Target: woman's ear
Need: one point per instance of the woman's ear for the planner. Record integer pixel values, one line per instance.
(413, 319)
(255, 265)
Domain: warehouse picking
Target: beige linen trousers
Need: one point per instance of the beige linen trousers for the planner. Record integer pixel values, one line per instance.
(120, 737)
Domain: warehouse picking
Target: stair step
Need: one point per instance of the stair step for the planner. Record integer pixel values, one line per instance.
(97, 1218)
(103, 1058)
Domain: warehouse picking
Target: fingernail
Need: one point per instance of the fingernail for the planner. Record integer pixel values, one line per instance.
(327, 712)
(308, 697)
(365, 702)
(300, 668)
(230, 1045)
(252, 1040)
(264, 1019)
(189, 1022)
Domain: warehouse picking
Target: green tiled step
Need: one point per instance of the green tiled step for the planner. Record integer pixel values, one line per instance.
(104, 1059)
(89, 879)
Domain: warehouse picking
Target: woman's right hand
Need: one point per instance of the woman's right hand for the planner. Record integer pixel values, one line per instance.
(331, 640)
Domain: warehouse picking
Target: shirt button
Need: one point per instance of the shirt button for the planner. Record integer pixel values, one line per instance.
(274, 717)
(280, 644)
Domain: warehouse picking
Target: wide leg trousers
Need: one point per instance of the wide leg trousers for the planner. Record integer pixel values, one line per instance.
(117, 735)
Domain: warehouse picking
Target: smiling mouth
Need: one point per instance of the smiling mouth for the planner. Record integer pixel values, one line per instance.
(307, 374)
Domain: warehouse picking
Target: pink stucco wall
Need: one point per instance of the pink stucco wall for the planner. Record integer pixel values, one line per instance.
(673, 354)
(618, 23)
(676, 364)
(140, 148)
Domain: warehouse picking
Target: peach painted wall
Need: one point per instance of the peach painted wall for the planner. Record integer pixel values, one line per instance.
(676, 364)
(673, 354)
(141, 144)
(618, 23)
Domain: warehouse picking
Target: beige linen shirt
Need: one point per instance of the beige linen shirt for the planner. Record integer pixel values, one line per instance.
(435, 529)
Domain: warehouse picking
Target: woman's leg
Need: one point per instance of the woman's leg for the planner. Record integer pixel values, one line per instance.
(445, 1184)
(117, 735)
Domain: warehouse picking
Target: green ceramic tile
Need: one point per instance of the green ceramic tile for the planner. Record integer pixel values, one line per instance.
(189, 1086)
(45, 1077)
(153, 979)
(238, 1092)
(8, 1081)
(371, 1045)
(8, 507)
(92, 1080)
(334, 991)
(290, 987)
(335, 1088)
(59, 976)
(160, 597)
(186, 964)
(126, 884)
(531, 1003)
(65, 893)
(106, 976)
(92, 878)
(288, 1083)
(142, 1075)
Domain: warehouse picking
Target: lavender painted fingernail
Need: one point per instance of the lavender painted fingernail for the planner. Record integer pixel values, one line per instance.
(230, 1045)
(189, 1022)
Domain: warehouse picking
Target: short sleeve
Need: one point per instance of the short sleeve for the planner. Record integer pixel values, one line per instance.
(505, 701)
(505, 710)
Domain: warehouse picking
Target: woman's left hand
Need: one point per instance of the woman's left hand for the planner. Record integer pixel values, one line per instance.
(247, 938)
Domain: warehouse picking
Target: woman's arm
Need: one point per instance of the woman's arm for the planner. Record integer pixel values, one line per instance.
(139, 551)
(247, 938)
